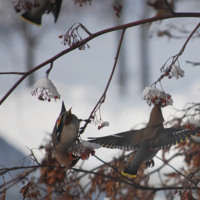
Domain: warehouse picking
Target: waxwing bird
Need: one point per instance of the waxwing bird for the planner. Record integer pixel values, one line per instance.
(34, 14)
(64, 135)
(146, 142)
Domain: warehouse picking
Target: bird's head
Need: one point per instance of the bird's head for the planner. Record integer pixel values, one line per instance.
(64, 118)
(156, 117)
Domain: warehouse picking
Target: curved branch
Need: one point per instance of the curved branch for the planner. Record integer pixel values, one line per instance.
(16, 73)
(92, 36)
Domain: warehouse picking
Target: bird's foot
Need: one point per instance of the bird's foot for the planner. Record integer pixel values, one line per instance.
(150, 163)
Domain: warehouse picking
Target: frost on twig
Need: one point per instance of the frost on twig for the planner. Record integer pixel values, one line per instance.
(98, 120)
(177, 71)
(45, 90)
(172, 71)
(194, 122)
(157, 97)
(103, 124)
(90, 145)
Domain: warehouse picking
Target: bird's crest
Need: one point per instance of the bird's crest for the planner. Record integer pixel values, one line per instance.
(63, 109)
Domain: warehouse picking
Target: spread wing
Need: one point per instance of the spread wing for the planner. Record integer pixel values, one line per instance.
(170, 136)
(129, 140)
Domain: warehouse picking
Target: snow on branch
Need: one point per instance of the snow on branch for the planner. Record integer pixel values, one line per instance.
(157, 97)
(45, 90)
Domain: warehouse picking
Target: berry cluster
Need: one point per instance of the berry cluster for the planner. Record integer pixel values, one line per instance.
(157, 97)
(72, 37)
(118, 8)
(77, 150)
(163, 100)
(25, 5)
(43, 94)
(81, 2)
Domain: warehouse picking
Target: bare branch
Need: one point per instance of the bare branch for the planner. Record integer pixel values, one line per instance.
(193, 63)
(92, 36)
(17, 73)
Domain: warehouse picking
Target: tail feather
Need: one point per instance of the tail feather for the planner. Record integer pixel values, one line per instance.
(131, 170)
(34, 19)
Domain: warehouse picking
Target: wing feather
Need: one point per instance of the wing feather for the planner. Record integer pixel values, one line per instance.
(126, 140)
(171, 136)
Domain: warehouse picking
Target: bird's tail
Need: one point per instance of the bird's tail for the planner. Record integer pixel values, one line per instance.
(34, 19)
(130, 170)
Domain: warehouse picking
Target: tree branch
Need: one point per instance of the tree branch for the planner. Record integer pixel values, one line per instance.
(92, 36)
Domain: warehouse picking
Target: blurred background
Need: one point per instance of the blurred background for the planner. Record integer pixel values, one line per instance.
(81, 76)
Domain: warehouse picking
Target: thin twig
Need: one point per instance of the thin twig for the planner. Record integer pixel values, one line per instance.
(193, 63)
(102, 98)
(16, 73)
(34, 158)
(48, 70)
(116, 170)
(177, 171)
(169, 7)
(106, 176)
(171, 158)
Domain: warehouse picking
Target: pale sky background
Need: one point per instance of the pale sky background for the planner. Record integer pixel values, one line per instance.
(81, 77)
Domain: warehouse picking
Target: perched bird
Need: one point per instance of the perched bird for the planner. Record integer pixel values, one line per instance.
(34, 14)
(64, 136)
(146, 142)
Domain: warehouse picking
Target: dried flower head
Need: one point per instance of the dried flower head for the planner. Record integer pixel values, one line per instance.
(45, 90)
(177, 71)
(72, 36)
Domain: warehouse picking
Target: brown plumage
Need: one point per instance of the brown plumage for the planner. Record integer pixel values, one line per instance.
(147, 141)
(64, 136)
